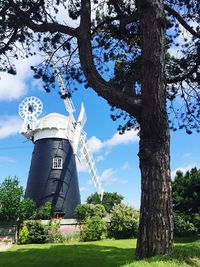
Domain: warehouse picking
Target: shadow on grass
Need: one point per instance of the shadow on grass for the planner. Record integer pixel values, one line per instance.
(186, 239)
(188, 251)
(94, 254)
(86, 255)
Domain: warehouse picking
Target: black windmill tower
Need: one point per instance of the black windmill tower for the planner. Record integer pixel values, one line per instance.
(57, 139)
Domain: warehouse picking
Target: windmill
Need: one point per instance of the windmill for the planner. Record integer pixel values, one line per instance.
(57, 139)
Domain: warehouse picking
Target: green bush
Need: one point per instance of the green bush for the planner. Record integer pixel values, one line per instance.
(109, 200)
(84, 211)
(183, 225)
(93, 229)
(38, 233)
(23, 236)
(90, 220)
(196, 221)
(45, 212)
(124, 222)
(54, 235)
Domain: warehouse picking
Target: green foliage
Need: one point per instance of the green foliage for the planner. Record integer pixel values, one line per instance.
(11, 194)
(13, 206)
(186, 201)
(196, 221)
(84, 211)
(27, 209)
(54, 235)
(38, 233)
(44, 212)
(93, 229)
(109, 200)
(186, 188)
(23, 236)
(182, 225)
(124, 222)
(90, 217)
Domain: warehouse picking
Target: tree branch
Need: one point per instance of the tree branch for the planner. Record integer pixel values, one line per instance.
(52, 27)
(114, 96)
(183, 77)
(181, 20)
(12, 39)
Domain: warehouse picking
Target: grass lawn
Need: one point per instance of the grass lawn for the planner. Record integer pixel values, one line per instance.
(105, 253)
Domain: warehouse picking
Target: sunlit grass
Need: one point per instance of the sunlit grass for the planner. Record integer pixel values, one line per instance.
(105, 253)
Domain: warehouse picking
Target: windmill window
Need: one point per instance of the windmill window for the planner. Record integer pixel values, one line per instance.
(57, 163)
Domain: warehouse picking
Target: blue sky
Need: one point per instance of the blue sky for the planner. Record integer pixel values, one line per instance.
(115, 156)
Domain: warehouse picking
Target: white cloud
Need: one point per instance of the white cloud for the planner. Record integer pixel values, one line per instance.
(81, 166)
(14, 86)
(96, 145)
(187, 155)
(123, 181)
(126, 138)
(125, 166)
(9, 125)
(7, 159)
(83, 189)
(108, 176)
(100, 158)
(183, 169)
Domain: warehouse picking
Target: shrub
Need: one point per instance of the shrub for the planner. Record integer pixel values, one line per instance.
(37, 232)
(84, 211)
(99, 210)
(109, 200)
(90, 220)
(54, 235)
(196, 221)
(124, 222)
(23, 236)
(93, 229)
(183, 225)
(44, 212)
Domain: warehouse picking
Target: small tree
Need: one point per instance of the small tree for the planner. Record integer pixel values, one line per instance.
(90, 220)
(186, 201)
(44, 212)
(183, 225)
(27, 209)
(186, 188)
(37, 233)
(109, 200)
(93, 229)
(13, 206)
(84, 211)
(23, 236)
(11, 196)
(124, 222)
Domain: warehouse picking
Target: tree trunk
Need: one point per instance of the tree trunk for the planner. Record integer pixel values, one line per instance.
(156, 226)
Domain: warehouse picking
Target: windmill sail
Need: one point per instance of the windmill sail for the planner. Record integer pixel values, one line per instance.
(79, 139)
(87, 156)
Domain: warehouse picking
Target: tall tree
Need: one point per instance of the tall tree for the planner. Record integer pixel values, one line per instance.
(186, 192)
(109, 200)
(135, 38)
(13, 207)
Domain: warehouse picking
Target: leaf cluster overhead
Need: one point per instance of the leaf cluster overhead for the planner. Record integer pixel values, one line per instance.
(104, 51)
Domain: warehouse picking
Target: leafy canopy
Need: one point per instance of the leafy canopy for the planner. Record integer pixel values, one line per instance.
(109, 200)
(13, 207)
(186, 191)
(105, 52)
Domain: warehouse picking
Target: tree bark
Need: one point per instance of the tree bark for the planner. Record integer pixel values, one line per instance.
(156, 225)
